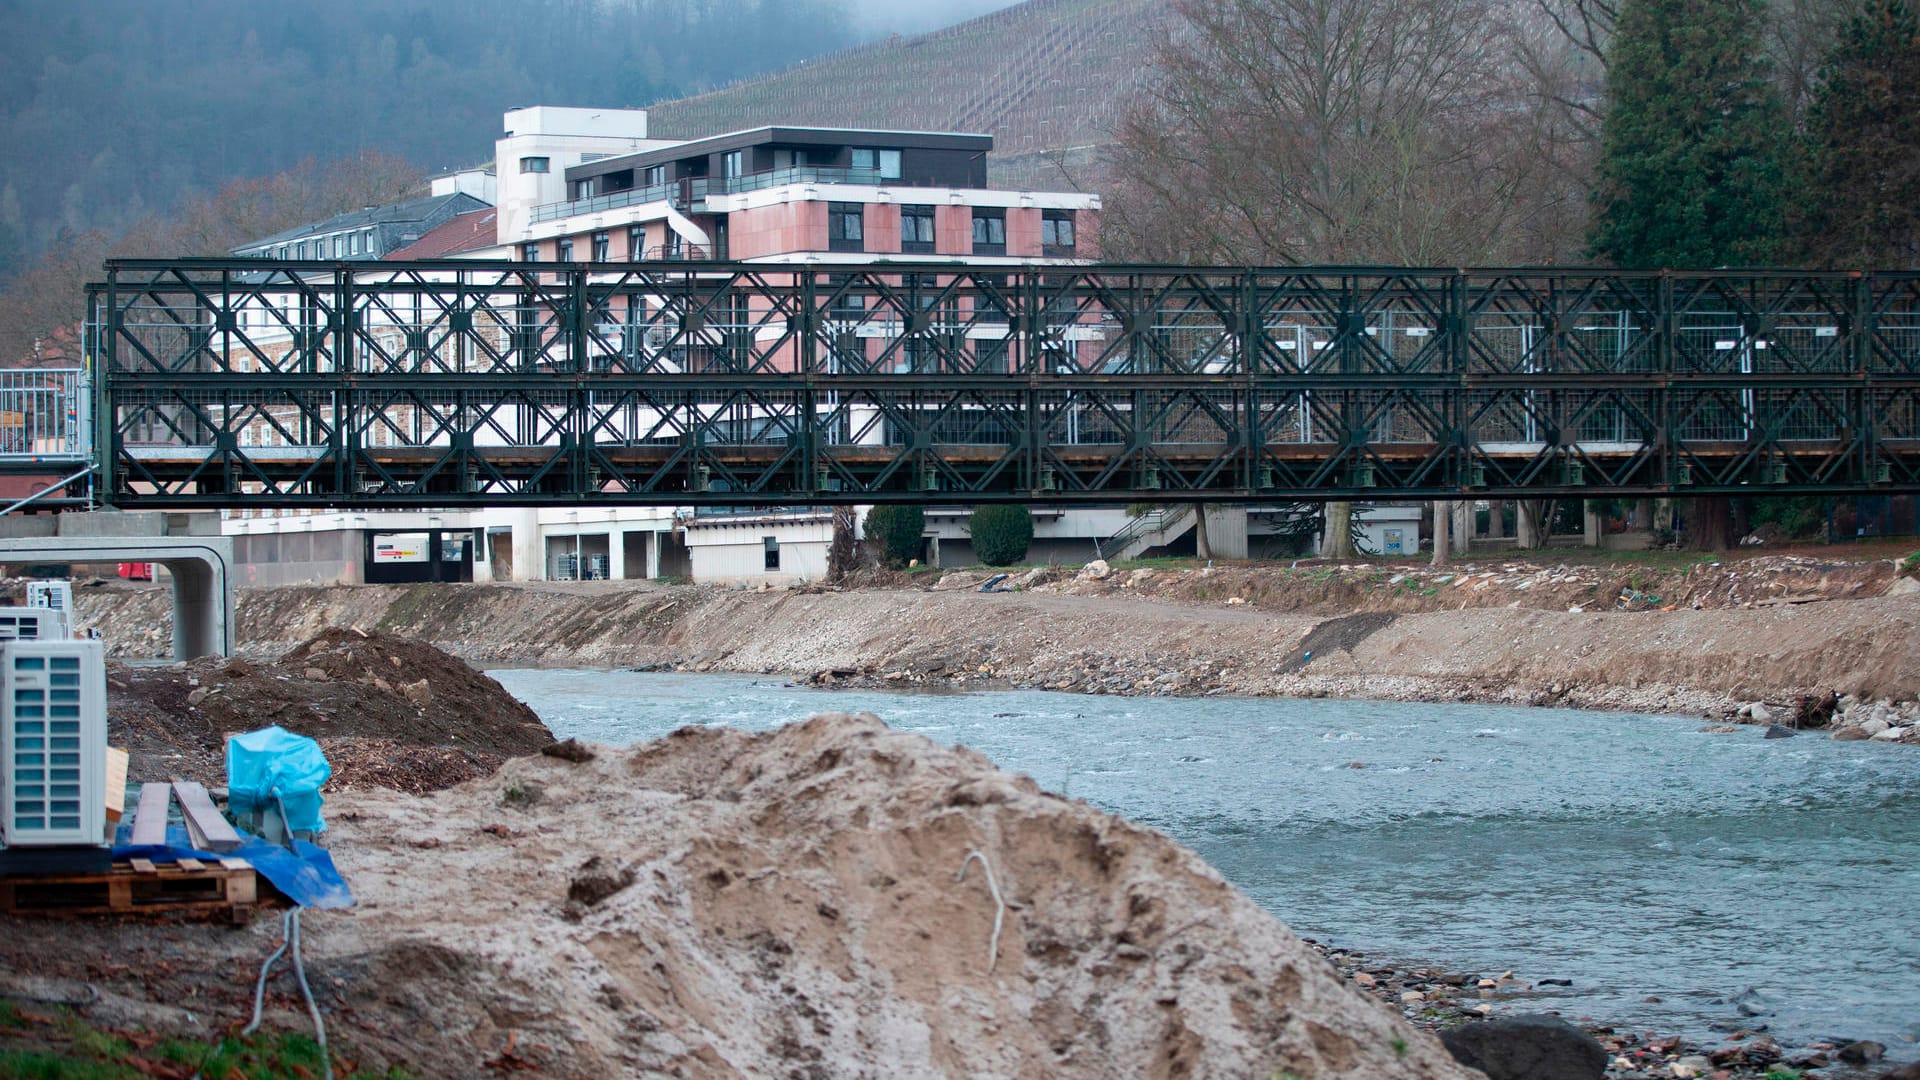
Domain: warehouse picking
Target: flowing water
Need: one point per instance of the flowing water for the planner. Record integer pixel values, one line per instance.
(1636, 856)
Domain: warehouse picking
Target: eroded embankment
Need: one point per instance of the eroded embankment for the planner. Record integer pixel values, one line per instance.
(828, 899)
(1470, 634)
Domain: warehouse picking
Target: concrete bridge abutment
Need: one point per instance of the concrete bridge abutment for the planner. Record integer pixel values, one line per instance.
(201, 569)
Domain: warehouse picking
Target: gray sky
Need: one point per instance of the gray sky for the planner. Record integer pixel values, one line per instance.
(883, 17)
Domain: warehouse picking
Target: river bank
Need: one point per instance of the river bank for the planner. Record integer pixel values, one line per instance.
(1712, 640)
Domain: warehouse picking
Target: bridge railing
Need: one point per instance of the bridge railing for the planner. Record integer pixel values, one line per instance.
(326, 383)
(43, 415)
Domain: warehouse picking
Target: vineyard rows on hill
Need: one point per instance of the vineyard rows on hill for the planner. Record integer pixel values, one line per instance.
(1044, 76)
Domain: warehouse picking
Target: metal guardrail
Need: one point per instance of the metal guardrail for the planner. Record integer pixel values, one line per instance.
(685, 193)
(44, 415)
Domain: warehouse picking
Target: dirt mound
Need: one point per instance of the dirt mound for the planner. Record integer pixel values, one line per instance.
(828, 899)
(389, 712)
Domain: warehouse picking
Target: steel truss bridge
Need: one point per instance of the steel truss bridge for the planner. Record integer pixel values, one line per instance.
(246, 382)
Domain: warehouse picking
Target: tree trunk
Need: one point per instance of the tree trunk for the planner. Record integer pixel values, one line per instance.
(842, 552)
(1529, 523)
(1338, 543)
(1710, 523)
(1442, 529)
(1462, 527)
(1202, 547)
(1496, 521)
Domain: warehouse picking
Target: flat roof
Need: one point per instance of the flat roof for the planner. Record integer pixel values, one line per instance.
(793, 136)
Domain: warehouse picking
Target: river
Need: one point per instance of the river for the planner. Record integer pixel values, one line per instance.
(1636, 856)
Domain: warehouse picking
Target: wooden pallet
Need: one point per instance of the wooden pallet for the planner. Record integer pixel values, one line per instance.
(226, 890)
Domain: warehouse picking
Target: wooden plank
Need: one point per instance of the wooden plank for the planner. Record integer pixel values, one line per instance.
(235, 864)
(116, 783)
(150, 820)
(142, 866)
(191, 866)
(215, 833)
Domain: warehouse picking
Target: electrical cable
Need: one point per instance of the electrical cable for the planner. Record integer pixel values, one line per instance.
(290, 940)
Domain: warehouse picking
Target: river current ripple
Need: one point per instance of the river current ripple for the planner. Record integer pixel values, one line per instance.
(1637, 856)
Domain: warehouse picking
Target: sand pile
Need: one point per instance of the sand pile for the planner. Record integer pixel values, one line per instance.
(791, 904)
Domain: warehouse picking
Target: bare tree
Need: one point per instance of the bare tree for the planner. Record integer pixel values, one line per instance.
(1799, 35)
(48, 296)
(1287, 131)
(1408, 132)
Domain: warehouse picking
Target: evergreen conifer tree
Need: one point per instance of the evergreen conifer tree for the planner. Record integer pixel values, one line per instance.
(1859, 191)
(1692, 161)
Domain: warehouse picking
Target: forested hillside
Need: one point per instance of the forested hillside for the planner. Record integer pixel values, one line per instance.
(112, 110)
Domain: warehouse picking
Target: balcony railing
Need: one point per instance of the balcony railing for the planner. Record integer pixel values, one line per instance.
(686, 194)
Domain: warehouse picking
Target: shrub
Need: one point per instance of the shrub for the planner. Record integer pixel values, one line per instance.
(1001, 533)
(896, 530)
(1796, 516)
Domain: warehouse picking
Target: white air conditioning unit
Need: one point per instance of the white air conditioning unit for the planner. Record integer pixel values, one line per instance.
(54, 744)
(57, 595)
(32, 624)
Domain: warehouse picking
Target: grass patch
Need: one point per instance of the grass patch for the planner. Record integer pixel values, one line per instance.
(93, 1053)
(38, 1065)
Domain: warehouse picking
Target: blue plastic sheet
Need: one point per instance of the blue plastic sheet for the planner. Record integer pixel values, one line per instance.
(305, 875)
(261, 764)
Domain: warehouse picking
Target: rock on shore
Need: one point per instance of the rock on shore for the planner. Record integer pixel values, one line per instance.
(807, 902)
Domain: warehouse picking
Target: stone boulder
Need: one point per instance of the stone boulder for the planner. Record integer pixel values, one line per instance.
(1530, 1047)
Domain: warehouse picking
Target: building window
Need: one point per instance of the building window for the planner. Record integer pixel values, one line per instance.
(843, 306)
(989, 232)
(530, 252)
(564, 251)
(884, 162)
(656, 175)
(1056, 232)
(733, 163)
(353, 243)
(771, 546)
(846, 227)
(535, 165)
(916, 230)
(602, 247)
(636, 243)
(366, 241)
(339, 245)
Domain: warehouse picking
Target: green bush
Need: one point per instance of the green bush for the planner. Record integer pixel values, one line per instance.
(896, 530)
(1001, 533)
(1796, 516)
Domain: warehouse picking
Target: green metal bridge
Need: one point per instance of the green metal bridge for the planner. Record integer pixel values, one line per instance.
(241, 382)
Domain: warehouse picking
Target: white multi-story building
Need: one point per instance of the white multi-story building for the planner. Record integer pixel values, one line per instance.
(574, 185)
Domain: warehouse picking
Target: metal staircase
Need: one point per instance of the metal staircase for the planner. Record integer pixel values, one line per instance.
(1155, 528)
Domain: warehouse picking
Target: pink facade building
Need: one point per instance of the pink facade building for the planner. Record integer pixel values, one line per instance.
(783, 194)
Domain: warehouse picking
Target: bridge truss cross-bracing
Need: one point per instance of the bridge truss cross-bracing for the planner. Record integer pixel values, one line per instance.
(257, 383)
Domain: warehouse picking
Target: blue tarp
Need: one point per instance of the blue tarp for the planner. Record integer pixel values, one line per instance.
(274, 761)
(306, 874)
